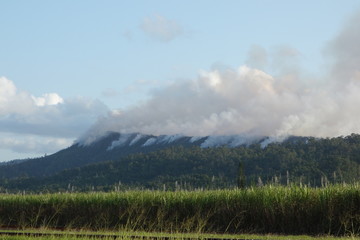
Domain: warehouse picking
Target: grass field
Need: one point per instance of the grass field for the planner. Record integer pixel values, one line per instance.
(166, 236)
(293, 210)
(187, 237)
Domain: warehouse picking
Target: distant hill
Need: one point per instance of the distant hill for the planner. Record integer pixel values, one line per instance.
(112, 146)
(122, 161)
(13, 162)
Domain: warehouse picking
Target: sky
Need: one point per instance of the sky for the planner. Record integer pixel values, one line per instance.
(72, 70)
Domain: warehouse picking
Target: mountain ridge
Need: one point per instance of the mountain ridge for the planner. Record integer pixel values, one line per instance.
(111, 146)
(297, 160)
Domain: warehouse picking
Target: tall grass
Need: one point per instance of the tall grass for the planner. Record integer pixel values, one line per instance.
(271, 209)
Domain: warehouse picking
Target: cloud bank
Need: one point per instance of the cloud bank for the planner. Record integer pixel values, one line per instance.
(33, 144)
(250, 101)
(42, 124)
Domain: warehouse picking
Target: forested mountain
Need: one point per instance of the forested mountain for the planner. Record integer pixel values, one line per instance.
(306, 160)
(109, 147)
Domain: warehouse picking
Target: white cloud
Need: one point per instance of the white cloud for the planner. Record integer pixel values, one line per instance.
(7, 90)
(33, 144)
(48, 99)
(45, 123)
(160, 28)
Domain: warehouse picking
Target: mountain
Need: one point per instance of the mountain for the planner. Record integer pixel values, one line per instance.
(15, 161)
(185, 162)
(147, 161)
(113, 146)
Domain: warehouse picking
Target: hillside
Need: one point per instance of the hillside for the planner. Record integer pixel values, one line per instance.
(307, 160)
(109, 147)
(80, 154)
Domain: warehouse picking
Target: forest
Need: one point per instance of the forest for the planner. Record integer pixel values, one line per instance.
(311, 161)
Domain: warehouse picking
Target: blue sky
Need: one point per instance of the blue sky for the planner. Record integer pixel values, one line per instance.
(78, 60)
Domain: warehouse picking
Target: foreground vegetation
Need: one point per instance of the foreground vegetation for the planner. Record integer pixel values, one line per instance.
(48, 234)
(272, 209)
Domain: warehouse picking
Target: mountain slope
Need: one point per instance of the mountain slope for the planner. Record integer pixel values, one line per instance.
(112, 146)
(76, 155)
(310, 161)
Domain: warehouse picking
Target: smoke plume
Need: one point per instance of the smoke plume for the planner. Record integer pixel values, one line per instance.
(252, 102)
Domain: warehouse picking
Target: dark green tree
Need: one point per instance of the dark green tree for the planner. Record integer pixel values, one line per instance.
(241, 180)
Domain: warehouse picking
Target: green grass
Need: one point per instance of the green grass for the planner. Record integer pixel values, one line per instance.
(143, 235)
(43, 238)
(176, 236)
(332, 210)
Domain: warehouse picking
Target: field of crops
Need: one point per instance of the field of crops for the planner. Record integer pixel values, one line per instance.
(285, 210)
(78, 235)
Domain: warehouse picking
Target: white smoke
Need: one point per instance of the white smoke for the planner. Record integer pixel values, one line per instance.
(344, 51)
(250, 101)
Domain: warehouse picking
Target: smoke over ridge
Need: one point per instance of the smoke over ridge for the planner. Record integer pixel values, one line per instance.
(252, 102)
